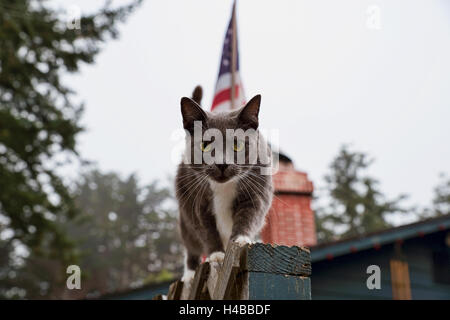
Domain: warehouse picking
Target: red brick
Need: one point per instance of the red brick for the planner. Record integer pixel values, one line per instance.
(290, 220)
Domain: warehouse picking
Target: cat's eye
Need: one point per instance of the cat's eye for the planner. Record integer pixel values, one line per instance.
(238, 146)
(205, 147)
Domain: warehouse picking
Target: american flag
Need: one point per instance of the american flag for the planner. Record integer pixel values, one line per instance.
(222, 97)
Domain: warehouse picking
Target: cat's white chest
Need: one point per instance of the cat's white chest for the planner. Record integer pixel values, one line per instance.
(223, 198)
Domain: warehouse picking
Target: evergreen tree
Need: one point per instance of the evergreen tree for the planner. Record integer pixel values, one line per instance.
(441, 200)
(356, 205)
(127, 232)
(126, 235)
(39, 123)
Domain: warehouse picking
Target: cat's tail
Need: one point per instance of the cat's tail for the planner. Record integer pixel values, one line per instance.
(197, 94)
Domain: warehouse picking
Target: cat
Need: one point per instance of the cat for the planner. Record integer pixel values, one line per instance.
(221, 202)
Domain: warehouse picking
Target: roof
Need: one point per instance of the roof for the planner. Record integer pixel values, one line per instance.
(281, 156)
(377, 239)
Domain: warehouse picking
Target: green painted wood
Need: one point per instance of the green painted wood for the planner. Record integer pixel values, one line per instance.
(269, 286)
(345, 277)
(278, 259)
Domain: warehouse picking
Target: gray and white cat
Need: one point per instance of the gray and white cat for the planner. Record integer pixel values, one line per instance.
(221, 201)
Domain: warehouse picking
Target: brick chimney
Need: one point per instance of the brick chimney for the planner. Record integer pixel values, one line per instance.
(290, 220)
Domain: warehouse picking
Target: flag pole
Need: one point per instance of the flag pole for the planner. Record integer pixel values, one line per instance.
(233, 55)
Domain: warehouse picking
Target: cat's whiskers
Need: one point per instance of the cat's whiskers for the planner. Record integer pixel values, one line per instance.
(198, 185)
(201, 197)
(256, 179)
(247, 180)
(196, 179)
(243, 184)
(252, 174)
(185, 188)
(187, 175)
(201, 189)
(195, 184)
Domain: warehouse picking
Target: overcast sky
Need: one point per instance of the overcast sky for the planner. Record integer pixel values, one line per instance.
(327, 76)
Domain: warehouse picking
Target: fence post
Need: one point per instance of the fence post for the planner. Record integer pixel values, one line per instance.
(254, 271)
(276, 272)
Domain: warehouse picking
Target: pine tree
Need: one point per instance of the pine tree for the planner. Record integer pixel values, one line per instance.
(39, 121)
(356, 204)
(441, 198)
(126, 232)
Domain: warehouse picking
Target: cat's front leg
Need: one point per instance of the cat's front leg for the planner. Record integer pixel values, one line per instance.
(244, 225)
(215, 250)
(191, 262)
(216, 257)
(242, 240)
(212, 241)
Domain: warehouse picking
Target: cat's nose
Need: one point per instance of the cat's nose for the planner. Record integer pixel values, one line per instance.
(222, 167)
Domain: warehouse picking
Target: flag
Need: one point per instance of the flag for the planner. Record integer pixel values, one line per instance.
(229, 72)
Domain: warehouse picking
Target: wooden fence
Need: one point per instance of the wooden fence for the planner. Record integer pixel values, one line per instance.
(250, 272)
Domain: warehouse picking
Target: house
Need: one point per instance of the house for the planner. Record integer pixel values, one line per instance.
(414, 263)
(413, 260)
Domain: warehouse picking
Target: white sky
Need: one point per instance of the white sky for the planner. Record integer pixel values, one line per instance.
(325, 79)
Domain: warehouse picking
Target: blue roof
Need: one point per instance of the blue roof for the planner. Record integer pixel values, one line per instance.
(377, 239)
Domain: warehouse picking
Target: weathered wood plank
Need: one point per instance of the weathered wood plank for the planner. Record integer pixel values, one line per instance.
(185, 291)
(214, 271)
(201, 275)
(175, 290)
(228, 272)
(204, 295)
(269, 286)
(278, 259)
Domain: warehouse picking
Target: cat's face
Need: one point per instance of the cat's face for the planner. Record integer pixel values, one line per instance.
(221, 146)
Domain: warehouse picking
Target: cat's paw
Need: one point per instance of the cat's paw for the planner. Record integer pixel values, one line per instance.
(216, 257)
(243, 240)
(188, 276)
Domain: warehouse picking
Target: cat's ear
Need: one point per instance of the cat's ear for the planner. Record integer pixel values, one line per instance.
(197, 94)
(248, 117)
(191, 112)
